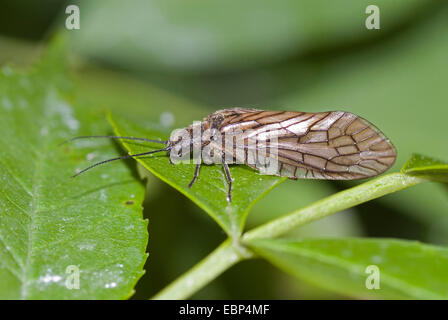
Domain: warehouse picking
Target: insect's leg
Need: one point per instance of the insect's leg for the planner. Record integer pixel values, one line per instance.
(196, 174)
(229, 179)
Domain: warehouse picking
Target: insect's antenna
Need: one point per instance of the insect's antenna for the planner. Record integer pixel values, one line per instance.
(114, 137)
(119, 158)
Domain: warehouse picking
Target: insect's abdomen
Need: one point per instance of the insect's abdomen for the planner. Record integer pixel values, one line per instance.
(327, 145)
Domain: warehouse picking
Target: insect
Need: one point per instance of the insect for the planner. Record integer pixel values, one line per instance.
(332, 145)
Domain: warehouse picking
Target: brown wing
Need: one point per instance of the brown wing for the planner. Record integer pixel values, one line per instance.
(326, 145)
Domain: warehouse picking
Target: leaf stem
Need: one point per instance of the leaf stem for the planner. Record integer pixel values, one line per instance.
(221, 259)
(340, 201)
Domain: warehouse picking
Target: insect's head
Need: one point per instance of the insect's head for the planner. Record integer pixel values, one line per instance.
(181, 142)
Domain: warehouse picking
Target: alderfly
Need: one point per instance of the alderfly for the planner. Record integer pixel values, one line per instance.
(332, 145)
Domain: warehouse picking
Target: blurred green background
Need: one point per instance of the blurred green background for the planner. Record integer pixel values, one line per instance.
(164, 60)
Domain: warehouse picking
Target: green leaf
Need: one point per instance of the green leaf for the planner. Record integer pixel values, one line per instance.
(407, 269)
(210, 190)
(426, 167)
(48, 221)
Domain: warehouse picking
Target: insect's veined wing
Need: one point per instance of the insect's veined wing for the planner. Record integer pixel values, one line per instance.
(326, 145)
